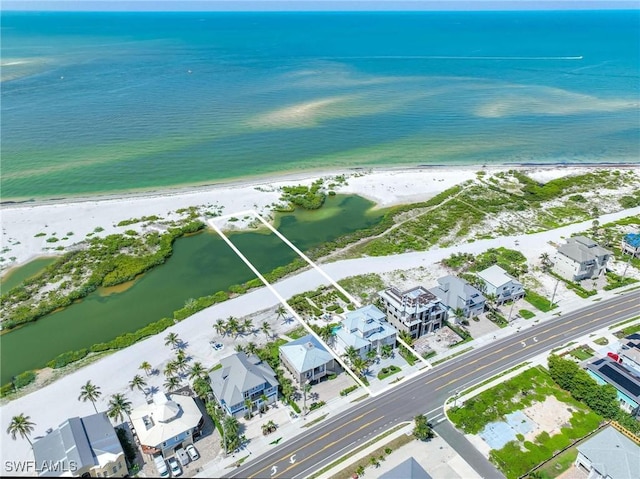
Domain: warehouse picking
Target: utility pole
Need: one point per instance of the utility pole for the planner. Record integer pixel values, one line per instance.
(554, 294)
(627, 266)
(511, 310)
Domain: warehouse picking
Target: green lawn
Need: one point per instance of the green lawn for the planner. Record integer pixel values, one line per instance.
(582, 353)
(526, 314)
(559, 464)
(539, 302)
(601, 341)
(388, 371)
(534, 385)
(628, 330)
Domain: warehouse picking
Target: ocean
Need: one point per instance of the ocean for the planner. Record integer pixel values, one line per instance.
(96, 103)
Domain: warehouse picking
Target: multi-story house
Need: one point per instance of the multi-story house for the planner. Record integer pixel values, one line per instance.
(243, 378)
(364, 329)
(81, 447)
(580, 258)
(500, 284)
(631, 244)
(455, 293)
(307, 359)
(416, 311)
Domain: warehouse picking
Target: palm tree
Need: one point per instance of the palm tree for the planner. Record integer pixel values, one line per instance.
(266, 329)
(146, 367)
(252, 348)
(359, 366)
(170, 369)
(406, 337)
(249, 407)
(545, 260)
(387, 349)
(119, 407)
(306, 387)
(371, 354)
(220, 326)
(281, 311)
(326, 333)
(137, 382)
(171, 339)
(264, 399)
(180, 355)
(247, 326)
(492, 299)
(181, 363)
(458, 314)
(21, 425)
(172, 383)
(197, 371)
(375, 462)
(351, 354)
(90, 392)
(239, 348)
(233, 326)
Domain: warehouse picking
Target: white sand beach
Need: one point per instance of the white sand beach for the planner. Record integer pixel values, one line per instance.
(51, 405)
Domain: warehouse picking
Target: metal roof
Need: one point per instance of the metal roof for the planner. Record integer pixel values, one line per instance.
(612, 454)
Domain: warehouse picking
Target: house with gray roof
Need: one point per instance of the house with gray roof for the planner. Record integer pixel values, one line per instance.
(364, 329)
(455, 293)
(307, 359)
(81, 447)
(497, 282)
(415, 311)
(580, 258)
(408, 469)
(242, 378)
(609, 454)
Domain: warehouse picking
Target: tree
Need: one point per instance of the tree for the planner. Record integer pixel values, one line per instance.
(351, 354)
(170, 369)
(252, 348)
(387, 349)
(249, 407)
(239, 348)
(181, 363)
(545, 260)
(371, 354)
(146, 367)
(172, 383)
(306, 388)
(90, 392)
(231, 433)
(264, 402)
(492, 300)
(458, 314)
(266, 329)
(119, 407)
(374, 462)
(233, 326)
(247, 326)
(406, 337)
(21, 425)
(220, 326)
(281, 312)
(202, 388)
(137, 382)
(171, 339)
(360, 471)
(359, 366)
(422, 430)
(197, 371)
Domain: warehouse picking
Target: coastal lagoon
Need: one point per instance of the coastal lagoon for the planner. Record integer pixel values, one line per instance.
(200, 265)
(107, 102)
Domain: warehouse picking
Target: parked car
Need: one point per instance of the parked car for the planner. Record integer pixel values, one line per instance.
(216, 346)
(176, 470)
(614, 356)
(193, 453)
(182, 456)
(161, 466)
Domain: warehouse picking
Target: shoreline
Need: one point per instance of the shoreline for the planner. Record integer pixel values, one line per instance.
(34, 229)
(292, 175)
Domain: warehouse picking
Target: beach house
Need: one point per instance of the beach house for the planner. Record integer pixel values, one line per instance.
(81, 447)
(609, 454)
(631, 244)
(630, 353)
(456, 294)
(607, 371)
(243, 383)
(166, 422)
(580, 258)
(307, 359)
(416, 311)
(364, 329)
(500, 284)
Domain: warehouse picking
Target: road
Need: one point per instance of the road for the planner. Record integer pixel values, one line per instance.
(427, 392)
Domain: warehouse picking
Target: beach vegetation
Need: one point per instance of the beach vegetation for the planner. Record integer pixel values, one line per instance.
(307, 197)
(107, 261)
(52, 239)
(24, 379)
(38, 235)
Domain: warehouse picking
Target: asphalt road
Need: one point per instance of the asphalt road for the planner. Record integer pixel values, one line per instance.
(427, 393)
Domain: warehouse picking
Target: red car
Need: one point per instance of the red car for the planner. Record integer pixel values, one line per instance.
(615, 357)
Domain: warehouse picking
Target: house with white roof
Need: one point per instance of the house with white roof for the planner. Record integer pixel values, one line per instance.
(243, 378)
(307, 359)
(455, 293)
(81, 447)
(580, 258)
(609, 454)
(416, 311)
(497, 282)
(365, 329)
(166, 422)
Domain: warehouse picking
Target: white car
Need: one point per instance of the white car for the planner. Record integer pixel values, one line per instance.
(193, 453)
(176, 470)
(161, 466)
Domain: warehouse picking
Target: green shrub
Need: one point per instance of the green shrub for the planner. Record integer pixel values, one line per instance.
(6, 389)
(66, 358)
(348, 390)
(23, 379)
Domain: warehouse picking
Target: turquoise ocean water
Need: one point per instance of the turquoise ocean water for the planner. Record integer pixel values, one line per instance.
(104, 102)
